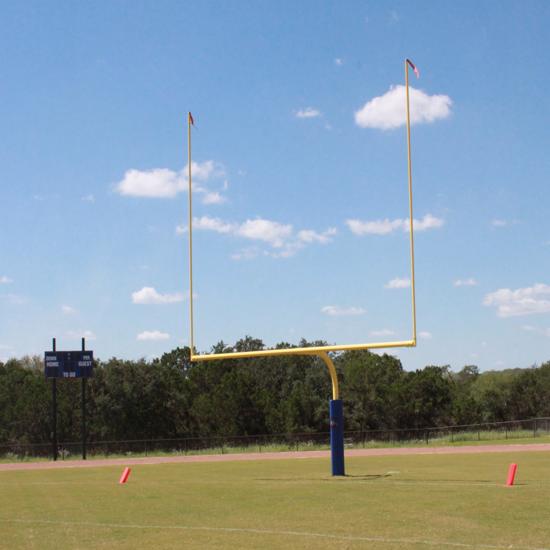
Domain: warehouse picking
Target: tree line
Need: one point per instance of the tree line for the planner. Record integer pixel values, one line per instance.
(171, 397)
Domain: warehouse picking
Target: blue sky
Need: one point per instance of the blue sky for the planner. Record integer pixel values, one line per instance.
(300, 176)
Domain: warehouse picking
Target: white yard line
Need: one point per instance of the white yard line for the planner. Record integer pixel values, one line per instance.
(305, 534)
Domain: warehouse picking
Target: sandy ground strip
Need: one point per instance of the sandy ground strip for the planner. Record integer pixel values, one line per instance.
(239, 457)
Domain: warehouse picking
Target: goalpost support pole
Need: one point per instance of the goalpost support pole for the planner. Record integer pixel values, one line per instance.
(336, 420)
(337, 437)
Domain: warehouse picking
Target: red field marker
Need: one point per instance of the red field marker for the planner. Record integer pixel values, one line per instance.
(124, 476)
(511, 474)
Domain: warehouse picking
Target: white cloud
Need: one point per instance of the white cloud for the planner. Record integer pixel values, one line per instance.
(382, 333)
(338, 61)
(338, 311)
(388, 111)
(310, 236)
(279, 236)
(212, 224)
(77, 334)
(398, 283)
(386, 226)
(465, 282)
(498, 222)
(88, 198)
(149, 295)
(308, 112)
(376, 227)
(519, 302)
(425, 335)
(271, 232)
(427, 222)
(157, 183)
(68, 310)
(152, 335)
(166, 183)
(213, 197)
(4, 280)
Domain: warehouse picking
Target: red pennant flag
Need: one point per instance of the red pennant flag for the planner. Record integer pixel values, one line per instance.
(413, 67)
(191, 119)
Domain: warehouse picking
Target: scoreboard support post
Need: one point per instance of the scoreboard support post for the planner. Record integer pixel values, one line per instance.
(54, 412)
(69, 364)
(83, 403)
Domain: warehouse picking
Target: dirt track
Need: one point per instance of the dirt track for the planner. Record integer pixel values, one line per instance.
(129, 461)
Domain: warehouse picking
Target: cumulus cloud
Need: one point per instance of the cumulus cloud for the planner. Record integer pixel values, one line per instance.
(4, 280)
(398, 283)
(68, 310)
(388, 111)
(387, 226)
(519, 302)
(465, 282)
(273, 233)
(212, 224)
(157, 183)
(427, 222)
(310, 236)
(149, 295)
(425, 335)
(152, 335)
(308, 112)
(214, 197)
(338, 61)
(282, 238)
(88, 198)
(166, 183)
(339, 311)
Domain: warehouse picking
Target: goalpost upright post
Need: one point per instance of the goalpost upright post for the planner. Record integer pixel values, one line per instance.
(335, 408)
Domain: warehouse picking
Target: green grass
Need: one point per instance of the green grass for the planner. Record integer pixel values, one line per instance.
(400, 502)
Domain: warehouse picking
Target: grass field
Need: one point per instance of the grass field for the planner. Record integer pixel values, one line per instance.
(405, 502)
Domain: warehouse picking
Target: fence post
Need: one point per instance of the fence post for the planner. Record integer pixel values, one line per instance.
(535, 428)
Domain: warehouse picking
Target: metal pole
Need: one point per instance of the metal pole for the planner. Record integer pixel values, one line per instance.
(54, 411)
(83, 402)
(411, 219)
(190, 229)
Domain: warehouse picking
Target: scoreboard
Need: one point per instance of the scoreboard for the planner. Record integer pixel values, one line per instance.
(68, 364)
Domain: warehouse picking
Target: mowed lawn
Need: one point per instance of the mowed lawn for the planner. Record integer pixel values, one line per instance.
(435, 501)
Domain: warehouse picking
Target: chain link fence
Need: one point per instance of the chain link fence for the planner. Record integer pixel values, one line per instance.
(469, 433)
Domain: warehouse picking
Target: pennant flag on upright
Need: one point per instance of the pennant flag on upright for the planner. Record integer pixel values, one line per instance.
(191, 119)
(413, 67)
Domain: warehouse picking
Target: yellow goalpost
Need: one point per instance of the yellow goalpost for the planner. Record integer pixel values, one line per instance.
(319, 351)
